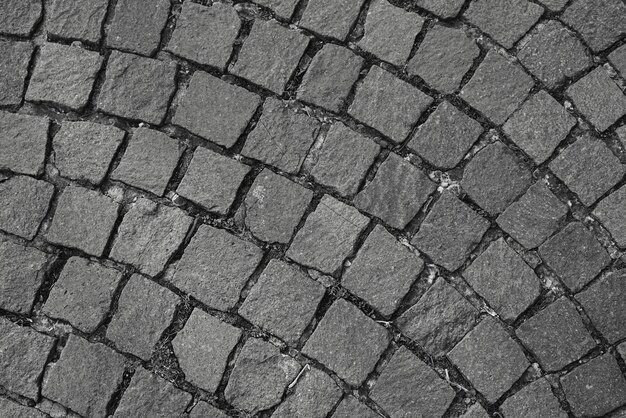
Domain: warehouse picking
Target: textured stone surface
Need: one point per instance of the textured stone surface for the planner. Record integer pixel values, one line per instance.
(476, 411)
(283, 8)
(610, 212)
(332, 18)
(600, 22)
(137, 25)
(23, 141)
(555, 5)
(535, 400)
(15, 410)
(204, 410)
(618, 59)
(442, 8)
(14, 60)
(350, 408)
(18, 17)
(314, 397)
(21, 274)
(76, 19)
(24, 202)
(604, 303)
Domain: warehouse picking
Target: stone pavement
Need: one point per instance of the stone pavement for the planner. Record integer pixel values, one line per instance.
(313, 208)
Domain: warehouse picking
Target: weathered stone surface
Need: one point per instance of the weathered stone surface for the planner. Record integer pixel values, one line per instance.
(270, 55)
(274, 206)
(600, 22)
(260, 376)
(388, 104)
(539, 125)
(23, 355)
(476, 411)
(14, 61)
(202, 359)
(96, 372)
(443, 58)
(21, 274)
(555, 5)
(15, 410)
(205, 34)
(136, 87)
(84, 150)
(149, 234)
(283, 301)
(347, 342)
(327, 236)
(498, 86)
(450, 232)
(137, 25)
(446, 136)
(610, 211)
(397, 192)
(490, 359)
(330, 77)
(283, 8)
(76, 19)
(204, 410)
(501, 276)
(588, 168)
(215, 266)
(408, 387)
(535, 400)
(390, 32)
(618, 59)
(83, 219)
(314, 397)
(19, 17)
(383, 271)
(575, 255)
(24, 202)
(82, 294)
(442, 8)
(332, 18)
(604, 303)
(350, 408)
(23, 141)
(149, 161)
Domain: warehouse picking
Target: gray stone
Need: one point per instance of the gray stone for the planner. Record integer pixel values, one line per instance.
(397, 192)
(555, 5)
(149, 161)
(599, 22)
(610, 211)
(202, 359)
(476, 411)
(535, 400)
(618, 59)
(443, 8)
(270, 55)
(205, 34)
(14, 61)
(604, 303)
(19, 17)
(24, 203)
(15, 410)
(383, 271)
(407, 387)
(347, 342)
(327, 236)
(204, 410)
(282, 8)
(22, 271)
(23, 141)
(215, 267)
(76, 19)
(332, 18)
(315, 396)
(388, 104)
(351, 408)
(137, 25)
(446, 136)
(137, 88)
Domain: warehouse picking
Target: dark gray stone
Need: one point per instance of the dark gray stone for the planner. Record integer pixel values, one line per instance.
(24, 203)
(282, 8)
(23, 141)
(610, 211)
(618, 59)
(14, 61)
(204, 410)
(604, 303)
(535, 400)
(15, 410)
(332, 18)
(76, 19)
(351, 408)
(315, 396)
(442, 8)
(19, 17)
(599, 22)
(137, 25)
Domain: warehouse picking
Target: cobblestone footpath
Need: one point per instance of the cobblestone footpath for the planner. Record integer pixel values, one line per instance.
(313, 208)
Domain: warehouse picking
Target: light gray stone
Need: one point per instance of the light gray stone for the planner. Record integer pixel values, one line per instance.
(23, 141)
(24, 203)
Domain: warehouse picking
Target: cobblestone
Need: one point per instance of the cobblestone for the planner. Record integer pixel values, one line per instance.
(283, 8)
(14, 60)
(332, 18)
(23, 140)
(536, 399)
(609, 212)
(618, 59)
(19, 17)
(16, 410)
(24, 203)
(314, 397)
(350, 407)
(137, 25)
(76, 19)
(475, 411)
(599, 22)
(203, 410)
(444, 9)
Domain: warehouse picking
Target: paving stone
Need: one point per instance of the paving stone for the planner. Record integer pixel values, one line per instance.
(14, 61)
(149, 161)
(598, 98)
(347, 342)
(149, 234)
(24, 203)
(330, 77)
(283, 301)
(327, 236)
(23, 141)
(439, 320)
(556, 335)
(443, 8)
(443, 58)
(76, 19)
(151, 396)
(315, 396)
(83, 219)
(19, 17)
(260, 376)
(23, 355)
(575, 255)
(622, 350)
(84, 150)
(588, 168)
(535, 400)
(82, 294)
(96, 372)
(497, 88)
(408, 387)
(476, 411)
(332, 18)
(599, 22)
(350, 408)
(136, 327)
(137, 25)
(450, 232)
(205, 34)
(215, 267)
(21, 275)
(502, 277)
(137, 88)
(446, 136)
(282, 8)
(390, 32)
(274, 206)
(596, 387)
(610, 213)
(383, 271)
(202, 359)
(204, 410)
(388, 104)
(490, 359)
(604, 303)
(343, 159)
(539, 126)
(270, 55)
(212, 180)
(618, 59)
(15, 410)
(214, 109)
(397, 192)
(281, 137)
